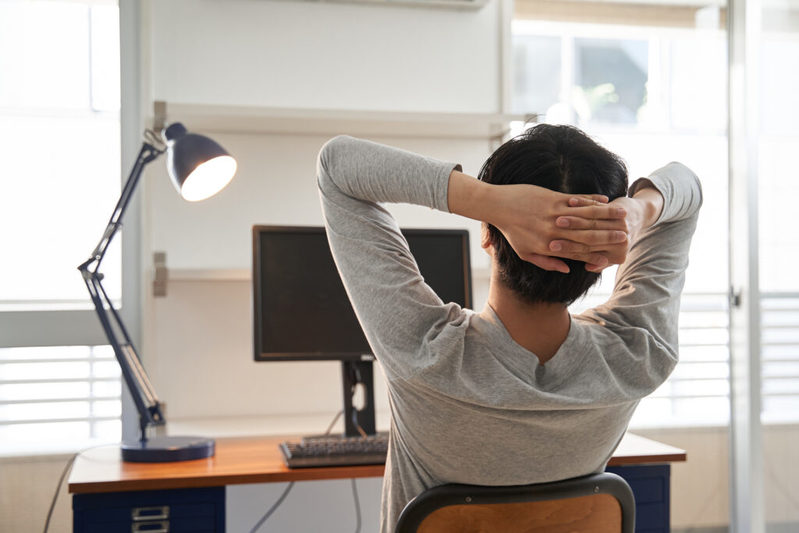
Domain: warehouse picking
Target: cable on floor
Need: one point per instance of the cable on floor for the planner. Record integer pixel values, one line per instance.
(64, 473)
(67, 469)
(357, 507)
(273, 508)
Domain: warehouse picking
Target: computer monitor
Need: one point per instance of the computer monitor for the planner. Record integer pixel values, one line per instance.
(301, 311)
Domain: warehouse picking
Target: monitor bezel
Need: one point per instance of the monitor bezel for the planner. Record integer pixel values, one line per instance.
(332, 356)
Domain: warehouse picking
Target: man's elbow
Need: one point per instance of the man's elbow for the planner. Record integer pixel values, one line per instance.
(328, 155)
(696, 184)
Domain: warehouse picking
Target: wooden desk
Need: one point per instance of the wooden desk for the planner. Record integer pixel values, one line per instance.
(257, 460)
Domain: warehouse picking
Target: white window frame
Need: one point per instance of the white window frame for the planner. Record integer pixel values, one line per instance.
(31, 328)
(132, 83)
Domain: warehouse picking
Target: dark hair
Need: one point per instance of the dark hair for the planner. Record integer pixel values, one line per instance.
(560, 158)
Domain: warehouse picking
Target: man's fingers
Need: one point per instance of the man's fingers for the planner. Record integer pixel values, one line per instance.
(548, 263)
(568, 247)
(587, 200)
(598, 237)
(596, 268)
(576, 223)
(585, 241)
(595, 262)
(596, 211)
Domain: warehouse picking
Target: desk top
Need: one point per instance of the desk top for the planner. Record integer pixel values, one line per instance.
(258, 460)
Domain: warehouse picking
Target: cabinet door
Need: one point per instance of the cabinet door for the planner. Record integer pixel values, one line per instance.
(175, 511)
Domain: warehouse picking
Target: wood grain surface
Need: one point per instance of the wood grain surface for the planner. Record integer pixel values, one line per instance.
(258, 460)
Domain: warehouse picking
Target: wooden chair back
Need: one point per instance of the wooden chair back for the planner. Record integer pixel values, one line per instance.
(600, 503)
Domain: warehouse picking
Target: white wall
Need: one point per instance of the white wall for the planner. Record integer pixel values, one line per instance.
(275, 184)
(322, 55)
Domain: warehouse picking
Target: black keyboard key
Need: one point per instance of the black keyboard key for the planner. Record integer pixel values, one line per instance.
(335, 451)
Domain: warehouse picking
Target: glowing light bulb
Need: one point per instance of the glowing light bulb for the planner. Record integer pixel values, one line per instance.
(208, 178)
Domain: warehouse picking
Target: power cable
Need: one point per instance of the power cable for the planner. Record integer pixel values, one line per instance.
(64, 473)
(282, 497)
(333, 423)
(273, 508)
(357, 507)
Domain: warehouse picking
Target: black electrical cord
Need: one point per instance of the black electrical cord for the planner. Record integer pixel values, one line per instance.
(333, 423)
(273, 508)
(354, 486)
(291, 485)
(357, 507)
(64, 473)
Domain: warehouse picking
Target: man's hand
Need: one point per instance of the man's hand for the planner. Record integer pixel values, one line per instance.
(643, 209)
(526, 215)
(543, 225)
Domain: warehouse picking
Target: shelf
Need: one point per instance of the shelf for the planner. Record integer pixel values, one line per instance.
(329, 122)
(209, 274)
(243, 274)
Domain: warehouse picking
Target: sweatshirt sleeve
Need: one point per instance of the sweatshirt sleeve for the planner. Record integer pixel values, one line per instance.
(643, 309)
(397, 310)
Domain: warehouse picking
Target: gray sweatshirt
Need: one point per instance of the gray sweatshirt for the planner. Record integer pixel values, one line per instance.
(468, 404)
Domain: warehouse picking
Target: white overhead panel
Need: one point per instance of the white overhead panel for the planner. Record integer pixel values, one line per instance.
(446, 4)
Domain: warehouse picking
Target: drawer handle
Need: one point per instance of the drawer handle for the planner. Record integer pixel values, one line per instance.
(150, 527)
(150, 513)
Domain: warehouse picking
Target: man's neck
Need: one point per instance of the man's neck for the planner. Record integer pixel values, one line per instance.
(539, 327)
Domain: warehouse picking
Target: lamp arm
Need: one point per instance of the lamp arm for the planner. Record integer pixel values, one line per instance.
(144, 397)
(147, 154)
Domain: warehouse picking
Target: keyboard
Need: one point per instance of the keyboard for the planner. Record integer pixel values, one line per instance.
(335, 450)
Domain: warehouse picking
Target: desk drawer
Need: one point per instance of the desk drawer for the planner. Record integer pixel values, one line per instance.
(173, 511)
(650, 486)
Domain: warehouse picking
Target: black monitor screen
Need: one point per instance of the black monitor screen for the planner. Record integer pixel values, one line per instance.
(301, 311)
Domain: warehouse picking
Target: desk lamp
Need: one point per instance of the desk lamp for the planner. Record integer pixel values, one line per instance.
(199, 168)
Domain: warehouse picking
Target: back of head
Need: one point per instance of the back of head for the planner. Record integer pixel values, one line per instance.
(560, 158)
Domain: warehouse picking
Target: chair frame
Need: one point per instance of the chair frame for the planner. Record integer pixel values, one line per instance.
(436, 498)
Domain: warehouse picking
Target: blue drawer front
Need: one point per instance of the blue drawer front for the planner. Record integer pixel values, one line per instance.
(198, 510)
(176, 510)
(650, 485)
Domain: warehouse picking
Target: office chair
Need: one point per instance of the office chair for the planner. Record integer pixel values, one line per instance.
(598, 503)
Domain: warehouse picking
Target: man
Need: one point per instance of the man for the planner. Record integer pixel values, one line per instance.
(521, 392)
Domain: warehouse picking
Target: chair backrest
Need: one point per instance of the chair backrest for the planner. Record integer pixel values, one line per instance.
(599, 503)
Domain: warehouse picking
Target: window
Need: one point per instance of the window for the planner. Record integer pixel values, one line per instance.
(779, 240)
(650, 86)
(59, 103)
(59, 179)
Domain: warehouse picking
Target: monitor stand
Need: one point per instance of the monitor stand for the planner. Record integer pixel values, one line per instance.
(356, 373)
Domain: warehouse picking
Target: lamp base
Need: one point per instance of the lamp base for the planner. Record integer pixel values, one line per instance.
(167, 449)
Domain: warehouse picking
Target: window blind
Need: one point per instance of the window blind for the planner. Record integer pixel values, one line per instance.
(58, 398)
(698, 391)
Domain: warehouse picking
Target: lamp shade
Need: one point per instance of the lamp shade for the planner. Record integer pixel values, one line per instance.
(198, 166)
